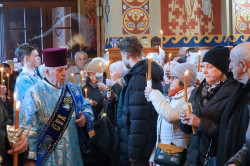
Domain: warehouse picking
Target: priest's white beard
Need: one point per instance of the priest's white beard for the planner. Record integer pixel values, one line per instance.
(61, 85)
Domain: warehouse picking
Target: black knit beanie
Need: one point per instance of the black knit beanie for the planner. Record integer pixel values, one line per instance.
(219, 57)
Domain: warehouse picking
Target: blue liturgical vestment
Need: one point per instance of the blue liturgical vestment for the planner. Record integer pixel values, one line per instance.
(23, 82)
(38, 105)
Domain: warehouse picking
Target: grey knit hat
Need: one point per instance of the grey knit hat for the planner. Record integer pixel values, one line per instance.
(179, 71)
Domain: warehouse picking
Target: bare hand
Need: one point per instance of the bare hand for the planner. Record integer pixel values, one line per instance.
(3, 97)
(30, 163)
(81, 121)
(110, 82)
(102, 86)
(21, 146)
(182, 117)
(3, 90)
(91, 102)
(147, 91)
(192, 119)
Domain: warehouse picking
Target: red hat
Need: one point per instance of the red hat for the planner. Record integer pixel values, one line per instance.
(55, 57)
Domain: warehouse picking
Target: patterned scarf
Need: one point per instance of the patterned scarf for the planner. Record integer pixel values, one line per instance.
(208, 91)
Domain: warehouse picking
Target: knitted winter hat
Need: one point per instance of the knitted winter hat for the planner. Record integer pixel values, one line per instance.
(179, 71)
(119, 67)
(219, 57)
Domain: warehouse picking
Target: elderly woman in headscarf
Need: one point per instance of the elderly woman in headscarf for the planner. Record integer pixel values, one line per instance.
(208, 103)
(117, 71)
(94, 94)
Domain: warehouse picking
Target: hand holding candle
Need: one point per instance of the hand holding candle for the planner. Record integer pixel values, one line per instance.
(186, 100)
(190, 112)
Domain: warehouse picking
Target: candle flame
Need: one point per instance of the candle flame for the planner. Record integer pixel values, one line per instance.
(107, 63)
(72, 75)
(186, 72)
(151, 56)
(7, 75)
(18, 103)
(161, 32)
(170, 55)
(81, 72)
(85, 89)
(3, 81)
(100, 64)
(199, 52)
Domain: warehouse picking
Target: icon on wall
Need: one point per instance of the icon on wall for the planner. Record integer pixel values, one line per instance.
(135, 16)
(242, 19)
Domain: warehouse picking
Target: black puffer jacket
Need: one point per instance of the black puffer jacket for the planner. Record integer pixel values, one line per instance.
(138, 119)
(210, 115)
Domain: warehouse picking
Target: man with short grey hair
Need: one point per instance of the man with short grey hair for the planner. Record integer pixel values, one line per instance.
(80, 58)
(235, 118)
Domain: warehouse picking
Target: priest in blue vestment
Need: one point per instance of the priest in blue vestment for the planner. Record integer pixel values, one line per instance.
(56, 111)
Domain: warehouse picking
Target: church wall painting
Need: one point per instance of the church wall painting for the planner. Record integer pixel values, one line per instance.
(241, 19)
(135, 15)
(207, 32)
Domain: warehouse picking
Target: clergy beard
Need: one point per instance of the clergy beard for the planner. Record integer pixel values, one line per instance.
(60, 85)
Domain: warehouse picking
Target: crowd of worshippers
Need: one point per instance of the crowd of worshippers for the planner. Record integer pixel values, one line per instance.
(193, 110)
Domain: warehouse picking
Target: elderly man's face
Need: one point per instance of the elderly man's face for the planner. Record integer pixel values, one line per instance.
(236, 67)
(57, 76)
(80, 59)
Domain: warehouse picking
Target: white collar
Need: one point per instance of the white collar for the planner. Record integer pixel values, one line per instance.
(28, 71)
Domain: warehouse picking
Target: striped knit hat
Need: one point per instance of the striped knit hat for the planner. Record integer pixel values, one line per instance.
(179, 71)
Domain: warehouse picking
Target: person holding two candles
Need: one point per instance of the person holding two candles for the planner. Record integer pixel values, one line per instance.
(208, 103)
(168, 130)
